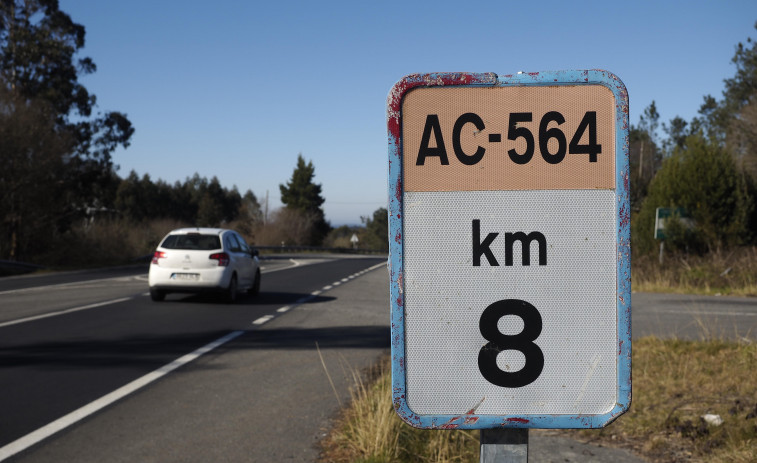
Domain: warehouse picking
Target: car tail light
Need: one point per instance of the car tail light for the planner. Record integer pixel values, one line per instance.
(222, 258)
(158, 255)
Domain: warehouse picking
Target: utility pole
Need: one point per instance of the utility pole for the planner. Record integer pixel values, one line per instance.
(265, 214)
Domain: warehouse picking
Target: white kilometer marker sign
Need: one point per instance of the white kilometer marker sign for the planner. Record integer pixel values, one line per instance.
(509, 226)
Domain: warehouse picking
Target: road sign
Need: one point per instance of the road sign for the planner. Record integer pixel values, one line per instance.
(510, 249)
(663, 214)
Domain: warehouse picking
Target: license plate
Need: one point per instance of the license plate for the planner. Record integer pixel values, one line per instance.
(186, 276)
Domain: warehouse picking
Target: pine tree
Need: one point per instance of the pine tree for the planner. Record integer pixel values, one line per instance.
(302, 195)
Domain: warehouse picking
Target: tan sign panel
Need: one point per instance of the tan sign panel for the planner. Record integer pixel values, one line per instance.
(509, 138)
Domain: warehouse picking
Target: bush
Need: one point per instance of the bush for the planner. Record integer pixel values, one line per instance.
(106, 242)
(703, 179)
(288, 227)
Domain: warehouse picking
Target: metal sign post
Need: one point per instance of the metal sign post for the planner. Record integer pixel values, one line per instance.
(509, 225)
(504, 445)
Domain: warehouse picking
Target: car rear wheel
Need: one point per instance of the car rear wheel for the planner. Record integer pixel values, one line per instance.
(232, 290)
(157, 295)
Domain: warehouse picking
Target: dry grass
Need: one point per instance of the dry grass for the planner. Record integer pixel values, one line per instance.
(732, 273)
(285, 227)
(369, 431)
(675, 383)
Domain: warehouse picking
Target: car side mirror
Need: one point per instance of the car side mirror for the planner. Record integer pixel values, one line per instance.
(254, 253)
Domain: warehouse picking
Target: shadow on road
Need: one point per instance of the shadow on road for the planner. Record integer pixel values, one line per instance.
(148, 352)
(339, 337)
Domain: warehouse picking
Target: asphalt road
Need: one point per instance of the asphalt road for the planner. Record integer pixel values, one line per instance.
(268, 393)
(105, 332)
(693, 317)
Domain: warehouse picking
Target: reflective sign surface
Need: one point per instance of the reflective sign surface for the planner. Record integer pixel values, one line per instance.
(509, 263)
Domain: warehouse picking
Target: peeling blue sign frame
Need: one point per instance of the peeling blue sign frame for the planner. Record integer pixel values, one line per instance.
(472, 419)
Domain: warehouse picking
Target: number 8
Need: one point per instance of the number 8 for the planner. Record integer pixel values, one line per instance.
(522, 342)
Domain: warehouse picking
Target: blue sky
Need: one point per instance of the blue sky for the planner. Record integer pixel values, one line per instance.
(237, 89)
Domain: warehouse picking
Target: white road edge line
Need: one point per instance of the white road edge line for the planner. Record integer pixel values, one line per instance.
(723, 313)
(295, 263)
(61, 312)
(48, 430)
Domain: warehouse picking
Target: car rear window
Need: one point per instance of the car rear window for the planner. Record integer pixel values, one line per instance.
(194, 241)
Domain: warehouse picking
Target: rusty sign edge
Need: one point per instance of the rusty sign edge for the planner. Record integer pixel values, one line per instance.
(471, 420)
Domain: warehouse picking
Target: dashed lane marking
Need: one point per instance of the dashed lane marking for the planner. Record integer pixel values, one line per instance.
(262, 319)
(314, 294)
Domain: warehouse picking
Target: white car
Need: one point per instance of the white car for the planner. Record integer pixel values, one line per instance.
(197, 260)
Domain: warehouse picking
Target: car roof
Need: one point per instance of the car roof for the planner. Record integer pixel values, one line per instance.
(201, 230)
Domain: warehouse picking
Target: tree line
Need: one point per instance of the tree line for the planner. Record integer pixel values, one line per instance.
(705, 167)
(58, 180)
(201, 202)
(197, 201)
(56, 146)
